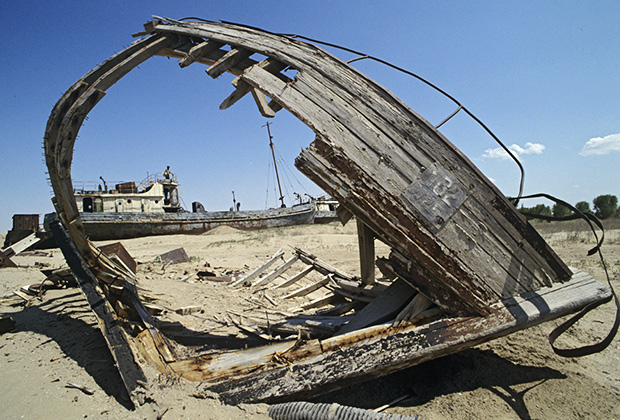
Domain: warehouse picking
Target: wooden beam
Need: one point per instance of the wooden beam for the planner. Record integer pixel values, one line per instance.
(231, 58)
(366, 240)
(418, 304)
(309, 288)
(321, 266)
(307, 269)
(261, 102)
(259, 270)
(277, 272)
(198, 51)
(117, 339)
(243, 88)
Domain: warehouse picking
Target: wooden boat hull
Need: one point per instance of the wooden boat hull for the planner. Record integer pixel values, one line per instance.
(454, 237)
(104, 226)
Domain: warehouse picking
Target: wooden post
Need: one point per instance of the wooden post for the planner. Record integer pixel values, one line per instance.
(366, 238)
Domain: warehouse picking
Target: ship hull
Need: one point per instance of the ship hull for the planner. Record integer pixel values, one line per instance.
(112, 225)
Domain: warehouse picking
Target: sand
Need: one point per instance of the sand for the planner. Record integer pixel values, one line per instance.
(516, 377)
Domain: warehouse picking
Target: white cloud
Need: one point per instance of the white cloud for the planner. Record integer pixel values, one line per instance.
(601, 145)
(529, 149)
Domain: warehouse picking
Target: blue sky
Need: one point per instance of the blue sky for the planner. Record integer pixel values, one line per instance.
(544, 76)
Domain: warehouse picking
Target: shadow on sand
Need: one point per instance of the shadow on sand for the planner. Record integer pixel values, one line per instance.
(60, 319)
(461, 372)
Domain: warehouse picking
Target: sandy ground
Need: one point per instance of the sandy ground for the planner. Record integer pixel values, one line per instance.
(516, 377)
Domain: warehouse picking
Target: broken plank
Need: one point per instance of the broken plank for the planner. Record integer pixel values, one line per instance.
(382, 308)
(20, 246)
(121, 252)
(231, 58)
(309, 288)
(262, 103)
(198, 51)
(321, 266)
(188, 310)
(311, 327)
(118, 342)
(242, 87)
(317, 303)
(175, 256)
(251, 329)
(307, 269)
(354, 287)
(342, 308)
(277, 272)
(366, 240)
(22, 295)
(328, 363)
(259, 270)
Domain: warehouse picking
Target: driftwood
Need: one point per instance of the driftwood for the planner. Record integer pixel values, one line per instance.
(455, 238)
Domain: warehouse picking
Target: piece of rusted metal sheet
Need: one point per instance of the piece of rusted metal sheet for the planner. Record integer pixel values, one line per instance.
(175, 256)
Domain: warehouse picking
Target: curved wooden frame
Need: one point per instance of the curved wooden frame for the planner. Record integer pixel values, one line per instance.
(454, 236)
(383, 162)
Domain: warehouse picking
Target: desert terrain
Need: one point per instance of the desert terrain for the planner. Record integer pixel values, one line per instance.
(57, 340)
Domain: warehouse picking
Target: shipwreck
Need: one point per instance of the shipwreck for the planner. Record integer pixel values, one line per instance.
(465, 266)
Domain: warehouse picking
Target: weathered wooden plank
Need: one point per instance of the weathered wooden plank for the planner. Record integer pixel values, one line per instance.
(277, 272)
(321, 266)
(342, 308)
(455, 160)
(198, 51)
(116, 338)
(317, 303)
(498, 283)
(352, 295)
(352, 101)
(441, 257)
(296, 53)
(262, 103)
(448, 292)
(229, 59)
(371, 291)
(259, 270)
(383, 308)
(20, 246)
(303, 291)
(314, 327)
(366, 240)
(242, 88)
(339, 361)
(303, 273)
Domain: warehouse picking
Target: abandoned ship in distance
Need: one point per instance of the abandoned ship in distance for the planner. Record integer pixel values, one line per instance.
(152, 207)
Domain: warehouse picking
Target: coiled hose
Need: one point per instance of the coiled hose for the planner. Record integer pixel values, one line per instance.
(301, 410)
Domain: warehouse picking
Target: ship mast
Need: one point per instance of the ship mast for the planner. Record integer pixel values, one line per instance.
(275, 165)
